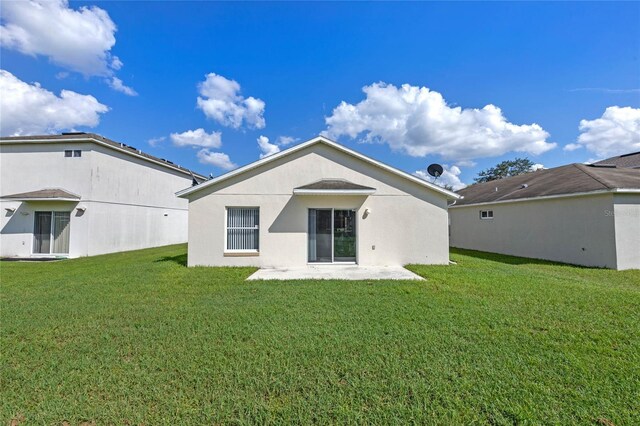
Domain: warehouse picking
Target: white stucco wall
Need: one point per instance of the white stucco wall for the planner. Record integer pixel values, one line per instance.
(130, 203)
(626, 211)
(407, 223)
(16, 237)
(576, 230)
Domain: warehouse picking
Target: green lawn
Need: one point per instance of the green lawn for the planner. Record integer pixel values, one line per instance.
(138, 338)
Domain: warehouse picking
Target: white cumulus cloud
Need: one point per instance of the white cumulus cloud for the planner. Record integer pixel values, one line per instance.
(30, 109)
(450, 177)
(77, 39)
(286, 140)
(266, 147)
(269, 148)
(216, 159)
(116, 84)
(197, 138)
(537, 166)
(572, 146)
(616, 132)
(220, 100)
(156, 141)
(418, 121)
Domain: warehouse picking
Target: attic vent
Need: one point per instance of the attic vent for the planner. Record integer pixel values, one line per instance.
(524, 185)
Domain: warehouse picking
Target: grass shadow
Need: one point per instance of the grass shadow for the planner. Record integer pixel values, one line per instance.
(511, 260)
(180, 259)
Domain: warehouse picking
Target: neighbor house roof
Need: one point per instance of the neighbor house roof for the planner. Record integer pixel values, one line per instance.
(569, 180)
(631, 160)
(47, 194)
(78, 137)
(314, 141)
(333, 186)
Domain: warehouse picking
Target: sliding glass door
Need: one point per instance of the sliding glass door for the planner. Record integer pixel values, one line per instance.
(42, 233)
(344, 236)
(320, 235)
(332, 235)
(51, 233)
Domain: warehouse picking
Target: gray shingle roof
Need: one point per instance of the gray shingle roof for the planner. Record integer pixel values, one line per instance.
(631, 160)
(335, 184)
(564, 180)
(43, 194)
(81, 136)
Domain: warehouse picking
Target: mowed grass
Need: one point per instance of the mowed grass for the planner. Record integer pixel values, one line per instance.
(137, 337)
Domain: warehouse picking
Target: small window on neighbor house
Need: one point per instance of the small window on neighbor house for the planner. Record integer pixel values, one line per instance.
(486, 214)
(243, 231)
(77, 153)
(68, 153)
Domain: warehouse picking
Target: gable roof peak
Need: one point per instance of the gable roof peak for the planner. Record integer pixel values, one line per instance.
(313, 141)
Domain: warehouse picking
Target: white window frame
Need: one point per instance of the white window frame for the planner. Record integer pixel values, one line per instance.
(226, 228)
(489, 214)
(333, 209)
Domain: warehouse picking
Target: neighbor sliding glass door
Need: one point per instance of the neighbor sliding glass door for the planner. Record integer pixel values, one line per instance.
(51, 233)
(332, 236)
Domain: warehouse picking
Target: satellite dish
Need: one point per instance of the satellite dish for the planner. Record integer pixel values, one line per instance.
(435, 170)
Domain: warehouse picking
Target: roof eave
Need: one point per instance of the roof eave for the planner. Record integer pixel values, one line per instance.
(626, 190)
(26, 199)
(554, 196)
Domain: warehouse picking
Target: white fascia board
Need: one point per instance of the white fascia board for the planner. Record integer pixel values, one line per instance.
(552, 197)
(319, 139)
(627, 190)
(73, 200)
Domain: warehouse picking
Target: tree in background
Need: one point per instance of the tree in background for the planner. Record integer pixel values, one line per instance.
(505, 169)
(445, 186)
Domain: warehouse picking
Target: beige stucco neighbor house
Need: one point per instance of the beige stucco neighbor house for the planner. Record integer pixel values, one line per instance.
(79, 194)
(580, 214)
(317, 203)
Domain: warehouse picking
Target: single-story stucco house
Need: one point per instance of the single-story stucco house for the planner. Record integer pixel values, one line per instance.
(580, 214)
(80, 194)
(317, 203)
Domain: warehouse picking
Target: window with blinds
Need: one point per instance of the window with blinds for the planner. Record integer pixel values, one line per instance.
(243, 229)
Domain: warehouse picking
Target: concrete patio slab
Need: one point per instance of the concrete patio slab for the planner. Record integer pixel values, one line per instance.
(336, 272)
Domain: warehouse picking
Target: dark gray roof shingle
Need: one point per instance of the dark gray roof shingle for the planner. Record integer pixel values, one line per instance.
(631, 160)
(335, 184)
(43, 194)
(564, 180)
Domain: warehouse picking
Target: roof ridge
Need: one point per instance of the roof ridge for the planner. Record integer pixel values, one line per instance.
(584, 169)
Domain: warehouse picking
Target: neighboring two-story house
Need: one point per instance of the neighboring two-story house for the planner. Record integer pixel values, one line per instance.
(80, 194)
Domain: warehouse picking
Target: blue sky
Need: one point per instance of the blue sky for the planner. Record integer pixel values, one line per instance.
(550, 64)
